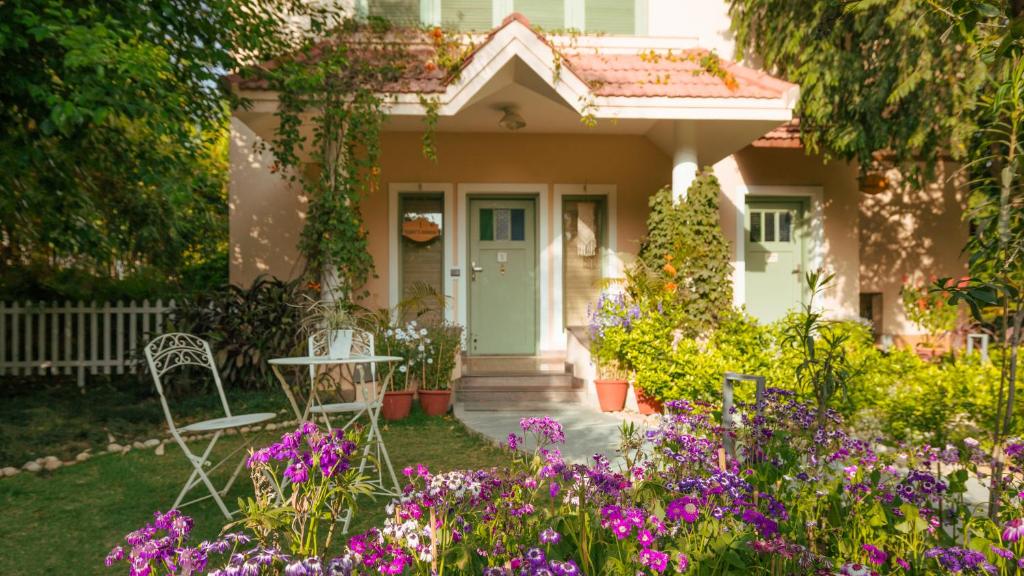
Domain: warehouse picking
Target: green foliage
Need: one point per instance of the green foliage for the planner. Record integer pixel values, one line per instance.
(929, 310)
(330, 112)
(876, 78)
(246, 327)
(687, 254)
(113, 146)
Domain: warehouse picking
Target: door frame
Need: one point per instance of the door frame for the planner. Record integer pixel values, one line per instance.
(811, 196)
(395, 190)
(541, 195)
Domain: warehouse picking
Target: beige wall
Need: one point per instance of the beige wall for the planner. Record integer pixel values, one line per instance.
(912, 233)
(840, 197)
(266, 213)
(632, 163)
(871, 242)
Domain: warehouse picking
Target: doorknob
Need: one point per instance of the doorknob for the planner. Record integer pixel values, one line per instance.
(474, 268)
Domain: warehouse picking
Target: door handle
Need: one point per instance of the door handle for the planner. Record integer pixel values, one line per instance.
(474, 268)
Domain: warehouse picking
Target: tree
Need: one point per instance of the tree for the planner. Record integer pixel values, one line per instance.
(112, 127)
(881, 81)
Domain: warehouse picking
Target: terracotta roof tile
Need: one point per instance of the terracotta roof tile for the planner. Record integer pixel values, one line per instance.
(645, 74)
(785, 136)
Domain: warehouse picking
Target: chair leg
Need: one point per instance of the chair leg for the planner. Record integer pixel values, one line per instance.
(197, 465)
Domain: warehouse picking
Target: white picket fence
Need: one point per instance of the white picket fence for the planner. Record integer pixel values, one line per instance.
(40, 338)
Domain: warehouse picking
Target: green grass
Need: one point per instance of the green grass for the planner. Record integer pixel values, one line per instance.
(66, 522)
(51, 416)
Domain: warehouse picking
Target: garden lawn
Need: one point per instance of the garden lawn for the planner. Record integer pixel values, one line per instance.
(67, 521)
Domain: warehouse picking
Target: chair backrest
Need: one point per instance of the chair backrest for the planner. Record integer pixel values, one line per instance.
(175, 350)
(362, 345)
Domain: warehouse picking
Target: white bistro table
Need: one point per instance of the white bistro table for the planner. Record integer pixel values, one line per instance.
(369, 405)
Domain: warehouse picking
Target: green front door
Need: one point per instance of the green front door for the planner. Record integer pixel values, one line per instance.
(503, 277)
(775, 260)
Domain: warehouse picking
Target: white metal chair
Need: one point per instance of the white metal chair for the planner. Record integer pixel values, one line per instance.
(368, 404)
(175, 350)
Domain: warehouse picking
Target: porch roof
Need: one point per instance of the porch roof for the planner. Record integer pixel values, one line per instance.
(633, 80)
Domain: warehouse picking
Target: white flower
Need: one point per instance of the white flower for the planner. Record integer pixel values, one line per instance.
(420, 348)
(423, 331)
(430, 360)
(401, 368)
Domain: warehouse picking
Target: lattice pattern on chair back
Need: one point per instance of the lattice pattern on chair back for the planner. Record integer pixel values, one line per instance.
(175, 350)
(178, 349)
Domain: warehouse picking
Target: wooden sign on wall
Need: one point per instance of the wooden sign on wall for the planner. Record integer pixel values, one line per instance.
(420, 230)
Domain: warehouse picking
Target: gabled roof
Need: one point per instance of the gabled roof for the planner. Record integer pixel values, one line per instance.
(785, 136)
(643, 83)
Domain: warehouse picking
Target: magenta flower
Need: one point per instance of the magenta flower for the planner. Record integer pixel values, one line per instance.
(875, 555)
(1013, 530)
(685, 508)
(654, 559)
(549, 536)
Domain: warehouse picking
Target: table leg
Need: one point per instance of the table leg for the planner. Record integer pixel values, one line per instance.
(287, 390)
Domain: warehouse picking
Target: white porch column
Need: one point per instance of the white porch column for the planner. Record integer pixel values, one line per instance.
(684, 158)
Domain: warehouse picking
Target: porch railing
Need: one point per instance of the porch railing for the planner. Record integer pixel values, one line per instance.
(50, 338)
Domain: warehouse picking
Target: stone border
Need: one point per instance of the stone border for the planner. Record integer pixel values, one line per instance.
(52, 463)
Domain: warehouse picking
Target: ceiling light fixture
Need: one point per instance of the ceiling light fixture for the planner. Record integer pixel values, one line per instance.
(511, 120)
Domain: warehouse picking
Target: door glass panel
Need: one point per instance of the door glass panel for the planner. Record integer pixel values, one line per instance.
(518, 224)
(785, 226)
(422, 251)
(582, 239)
(502, 225)
(769, 226)
(486, 224)
(755, 226)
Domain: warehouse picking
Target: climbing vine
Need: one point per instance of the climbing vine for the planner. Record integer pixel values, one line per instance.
(332, 104)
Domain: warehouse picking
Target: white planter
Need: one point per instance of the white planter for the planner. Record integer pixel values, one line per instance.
(339, 343)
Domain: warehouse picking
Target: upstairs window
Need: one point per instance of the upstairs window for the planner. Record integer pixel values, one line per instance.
(621, 17)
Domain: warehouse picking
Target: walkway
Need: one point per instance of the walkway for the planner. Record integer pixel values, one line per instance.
(587, 431)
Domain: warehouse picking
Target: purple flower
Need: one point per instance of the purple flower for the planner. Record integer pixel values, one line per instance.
(546, 429)
(684, 508)
(654, 559)
(875, 555)
(535, 556)
(549, 536)
(1013, 530)
(645, 538)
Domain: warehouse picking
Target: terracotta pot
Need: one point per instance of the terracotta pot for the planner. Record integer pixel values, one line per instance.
(435, 402)
(611, 394)
(647, 404)
(396, 405)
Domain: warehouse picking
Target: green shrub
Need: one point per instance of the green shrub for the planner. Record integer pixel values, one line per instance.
(246, 327)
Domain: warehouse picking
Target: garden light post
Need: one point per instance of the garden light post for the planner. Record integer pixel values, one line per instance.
(727, 405)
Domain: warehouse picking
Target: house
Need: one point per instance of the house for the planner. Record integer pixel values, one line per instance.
(527, 208)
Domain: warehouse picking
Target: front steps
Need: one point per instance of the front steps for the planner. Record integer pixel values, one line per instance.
(516, 383)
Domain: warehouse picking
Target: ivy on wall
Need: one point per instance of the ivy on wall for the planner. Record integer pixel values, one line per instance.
(686, 253)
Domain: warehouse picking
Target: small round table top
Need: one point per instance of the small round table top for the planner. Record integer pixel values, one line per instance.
(318, 360)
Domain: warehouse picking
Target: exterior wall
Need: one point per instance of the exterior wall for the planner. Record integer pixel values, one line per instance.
(266, 214)
(706, 20)
(752, 167)
(914, 234)
(631, 163)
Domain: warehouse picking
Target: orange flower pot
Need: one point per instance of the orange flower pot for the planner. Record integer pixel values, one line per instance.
(647, 404)
(611, 394)
(396, 405)
(435, 402)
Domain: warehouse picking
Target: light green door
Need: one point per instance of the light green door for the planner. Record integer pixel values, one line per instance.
(774, 252)
(503, 277)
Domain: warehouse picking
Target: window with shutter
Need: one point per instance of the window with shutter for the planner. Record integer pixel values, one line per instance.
(548, 14)
(610, 16)
(467, 15)
(398, 12)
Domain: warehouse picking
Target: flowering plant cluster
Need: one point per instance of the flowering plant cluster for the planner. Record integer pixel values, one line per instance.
(429, 353)
(790, 496)
(612, 319)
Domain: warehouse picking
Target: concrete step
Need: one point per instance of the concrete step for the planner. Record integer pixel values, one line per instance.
(523, 381)
(513, 365)
(526, 407)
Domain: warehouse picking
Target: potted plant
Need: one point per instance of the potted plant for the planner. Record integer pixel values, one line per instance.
(609, 326)
(645, 402)
(442, 343)
(930, 311)
(336, 317)
(406, 343)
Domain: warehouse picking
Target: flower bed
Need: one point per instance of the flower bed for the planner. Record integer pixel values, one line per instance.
(797, 499)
